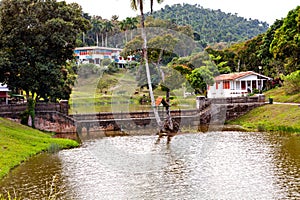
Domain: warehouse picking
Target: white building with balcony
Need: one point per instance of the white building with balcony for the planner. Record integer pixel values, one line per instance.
(96, 54)
(236, 84)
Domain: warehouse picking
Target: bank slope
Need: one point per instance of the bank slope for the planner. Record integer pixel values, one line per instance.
(279, 95)
(272, 117)
(18, 143)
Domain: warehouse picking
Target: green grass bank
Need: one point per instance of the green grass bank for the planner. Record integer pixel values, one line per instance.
(18, 143)
(274, 117)
(279, 95)
(271, 117)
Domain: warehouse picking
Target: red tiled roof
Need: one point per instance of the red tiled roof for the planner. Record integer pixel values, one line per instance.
(233, 76)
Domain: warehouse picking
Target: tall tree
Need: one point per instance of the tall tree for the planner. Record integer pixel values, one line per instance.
(131, 24)
(124, 26)
(286, 43)
(108, 27)
(271, 67)
(37, 42)
(97, 26)
(139, 4)
(200, 78)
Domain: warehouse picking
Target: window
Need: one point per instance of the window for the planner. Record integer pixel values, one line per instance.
(226, 85)
(243, 85)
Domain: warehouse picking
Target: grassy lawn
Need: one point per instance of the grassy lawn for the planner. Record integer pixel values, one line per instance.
(278, 94)
(18, 143)
(120, 94)
(271, 118)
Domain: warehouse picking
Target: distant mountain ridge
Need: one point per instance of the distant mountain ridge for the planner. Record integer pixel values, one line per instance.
(212, 26)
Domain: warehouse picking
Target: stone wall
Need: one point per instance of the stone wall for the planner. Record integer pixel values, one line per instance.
(55, 118)
(54, 121)
(14, 110)
(213, 114)
(51, 117)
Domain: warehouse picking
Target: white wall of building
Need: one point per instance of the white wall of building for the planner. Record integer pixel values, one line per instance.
(236, 88)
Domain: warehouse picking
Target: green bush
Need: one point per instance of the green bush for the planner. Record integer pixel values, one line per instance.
(255, 91)
(113, 68)
(106, 62)
(292, 83)
(261, 128)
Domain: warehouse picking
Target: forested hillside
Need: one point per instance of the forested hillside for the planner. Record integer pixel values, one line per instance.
(212, 25)
(277, 50)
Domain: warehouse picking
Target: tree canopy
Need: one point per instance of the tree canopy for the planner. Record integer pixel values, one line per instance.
(286, 42)
(277, 50)
(212, 26)
(37, 42)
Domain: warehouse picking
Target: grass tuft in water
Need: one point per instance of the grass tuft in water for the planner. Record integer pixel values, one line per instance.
(9, 197)
(261, 128)
(51, 191)
(53, 148)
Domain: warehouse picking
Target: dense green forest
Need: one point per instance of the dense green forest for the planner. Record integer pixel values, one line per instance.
(277, 50)
(209, 26)
(212, 26)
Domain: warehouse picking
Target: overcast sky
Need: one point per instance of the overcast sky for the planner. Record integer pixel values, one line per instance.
(263, 10)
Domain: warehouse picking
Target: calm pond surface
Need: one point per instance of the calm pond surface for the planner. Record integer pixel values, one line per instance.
(214, 165)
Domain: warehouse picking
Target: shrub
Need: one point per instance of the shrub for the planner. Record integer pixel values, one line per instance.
(113, 68)
(255, 91)
(261, 128)
(292, 83)
(106, 62)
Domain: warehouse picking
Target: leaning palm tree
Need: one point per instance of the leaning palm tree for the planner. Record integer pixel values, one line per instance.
(139, 4)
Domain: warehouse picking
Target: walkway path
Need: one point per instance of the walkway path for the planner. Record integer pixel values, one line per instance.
(294, 104)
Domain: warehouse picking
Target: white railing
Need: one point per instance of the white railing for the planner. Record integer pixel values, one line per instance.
(236, 93)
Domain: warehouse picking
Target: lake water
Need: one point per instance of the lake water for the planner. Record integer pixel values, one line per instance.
(213, 165)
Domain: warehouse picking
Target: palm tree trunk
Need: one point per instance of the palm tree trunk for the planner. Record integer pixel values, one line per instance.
(144, 36)
(125, 36)
(83, 38)
(106, 39)
(97, 39)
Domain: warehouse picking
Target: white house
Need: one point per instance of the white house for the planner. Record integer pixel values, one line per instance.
(3, 93)
(96, 54)
(236, 84)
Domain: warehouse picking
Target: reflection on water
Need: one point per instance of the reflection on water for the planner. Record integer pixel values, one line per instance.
(216, 165)
(33, 179)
